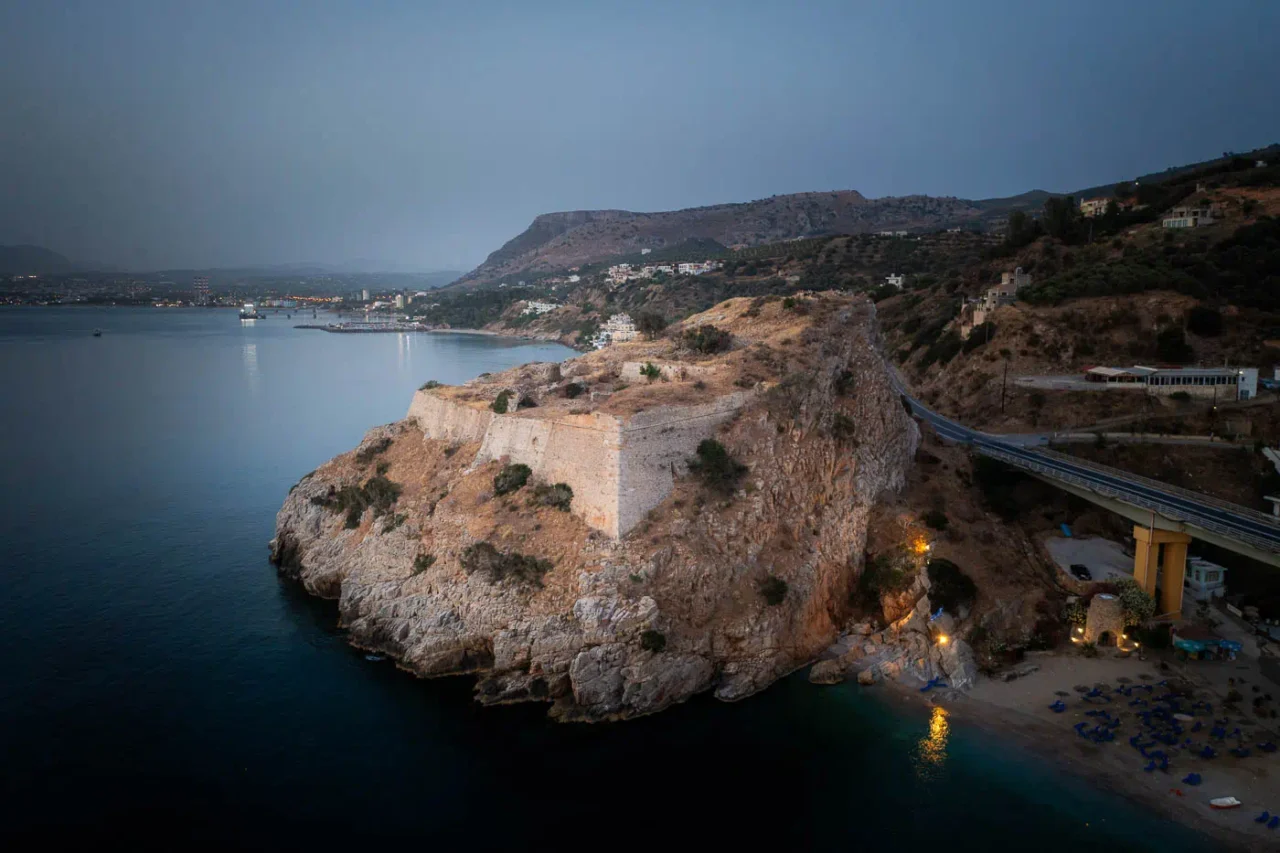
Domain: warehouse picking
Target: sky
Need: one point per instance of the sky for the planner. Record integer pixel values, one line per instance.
(423, 135)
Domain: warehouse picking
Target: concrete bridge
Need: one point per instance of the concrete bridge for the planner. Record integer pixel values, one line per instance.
(1166, 518)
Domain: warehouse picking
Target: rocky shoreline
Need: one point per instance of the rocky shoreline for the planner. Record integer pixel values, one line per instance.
(716, 589)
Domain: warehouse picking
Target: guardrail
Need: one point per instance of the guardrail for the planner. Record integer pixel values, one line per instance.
(1124, 496)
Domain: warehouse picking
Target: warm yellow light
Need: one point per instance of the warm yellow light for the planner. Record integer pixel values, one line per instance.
(1137, 644)
(1075, 639)
(942, 639)
(1124, 636)
(1079, 630)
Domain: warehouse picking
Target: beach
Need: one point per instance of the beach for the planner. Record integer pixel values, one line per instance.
(1020, 709)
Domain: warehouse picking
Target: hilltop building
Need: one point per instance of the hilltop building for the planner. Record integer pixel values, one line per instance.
(895, 280)
(1005, 293)
(364, 295)
(1094, 206)
(1191, 217)
(619, 329)
(535, 307)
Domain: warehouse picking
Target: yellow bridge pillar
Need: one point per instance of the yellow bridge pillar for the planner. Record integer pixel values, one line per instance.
(1165, 552)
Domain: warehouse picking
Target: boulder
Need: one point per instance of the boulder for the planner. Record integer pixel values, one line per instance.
(827, 672)
(959, 664)
(868, 676)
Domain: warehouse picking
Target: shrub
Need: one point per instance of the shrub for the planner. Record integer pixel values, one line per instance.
(950, 588)
(527, 403)
(378, 492)
(707, 339)
(558, 495)
(773, 590)
(884, 574)
(383, 467)
(499, 404)
(511, 478)
(653, 641)
(1137, 605)
(936, 519)
(428, 385)
(422, 562)
(498, 566)
(573, 390)
(366, 454)
(843, 427)
(719, 471)
(650, 371)
(789, 303)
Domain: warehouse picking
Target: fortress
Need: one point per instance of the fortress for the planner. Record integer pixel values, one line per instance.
(619, 466)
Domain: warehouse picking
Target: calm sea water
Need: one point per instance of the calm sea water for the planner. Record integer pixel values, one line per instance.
(159, 685)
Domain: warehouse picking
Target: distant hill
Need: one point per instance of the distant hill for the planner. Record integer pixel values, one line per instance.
(32, 260)
(555, 241)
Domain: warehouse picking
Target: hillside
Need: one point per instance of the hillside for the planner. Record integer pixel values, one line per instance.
(32, 260)
(557, 241)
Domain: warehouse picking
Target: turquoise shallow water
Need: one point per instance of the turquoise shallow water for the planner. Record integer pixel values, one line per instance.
(161, 686)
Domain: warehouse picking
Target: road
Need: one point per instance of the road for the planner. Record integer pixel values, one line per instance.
(1255, 528)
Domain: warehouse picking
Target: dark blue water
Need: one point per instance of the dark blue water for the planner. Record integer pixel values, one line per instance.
(160, 686)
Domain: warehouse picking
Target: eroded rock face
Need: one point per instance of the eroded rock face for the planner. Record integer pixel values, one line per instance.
(617, 628)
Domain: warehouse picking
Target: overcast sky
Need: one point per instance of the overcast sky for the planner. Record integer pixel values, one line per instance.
(175, 133)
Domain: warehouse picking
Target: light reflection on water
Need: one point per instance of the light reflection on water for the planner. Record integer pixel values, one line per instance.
(931, 751)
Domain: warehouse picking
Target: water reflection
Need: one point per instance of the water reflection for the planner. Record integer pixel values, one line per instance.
(249, 354)
(931, 751)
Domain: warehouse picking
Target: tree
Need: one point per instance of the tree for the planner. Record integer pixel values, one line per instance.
(1171, 346)
(1062, 219)
(650, 324)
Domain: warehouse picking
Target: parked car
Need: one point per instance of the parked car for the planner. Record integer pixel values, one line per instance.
(1081, 572)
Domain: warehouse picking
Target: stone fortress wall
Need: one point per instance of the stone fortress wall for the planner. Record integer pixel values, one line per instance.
(619, 468)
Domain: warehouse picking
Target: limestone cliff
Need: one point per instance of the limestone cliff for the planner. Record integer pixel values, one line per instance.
(654, 582)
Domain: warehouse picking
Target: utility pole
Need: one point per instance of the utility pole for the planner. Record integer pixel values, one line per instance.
(1003, 384)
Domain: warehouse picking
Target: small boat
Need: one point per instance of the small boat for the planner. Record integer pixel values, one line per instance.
(376, 658)
(97, 333)
(1224, 803)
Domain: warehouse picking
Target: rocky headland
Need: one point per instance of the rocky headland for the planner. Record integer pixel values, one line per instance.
(616, 533)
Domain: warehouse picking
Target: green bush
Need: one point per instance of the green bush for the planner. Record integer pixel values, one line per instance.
(499, 404)
(650, 371)
(773, 590)
(558, 495)
(1137, 605)
(422, 562)
(383, 467)
(428, 385)
(511, 478)
(498, 566)
(886, 573)
(653, 641)
(707, 339)
(378, 492)
(842, 427)
(719, 471)
(950, 588)
(936, 519)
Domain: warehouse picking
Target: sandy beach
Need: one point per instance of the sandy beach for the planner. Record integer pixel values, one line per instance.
(1020, 710)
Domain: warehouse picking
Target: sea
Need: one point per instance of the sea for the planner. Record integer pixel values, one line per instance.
(161, 687)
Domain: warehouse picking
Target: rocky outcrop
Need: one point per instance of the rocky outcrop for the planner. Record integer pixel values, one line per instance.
(717, 588)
